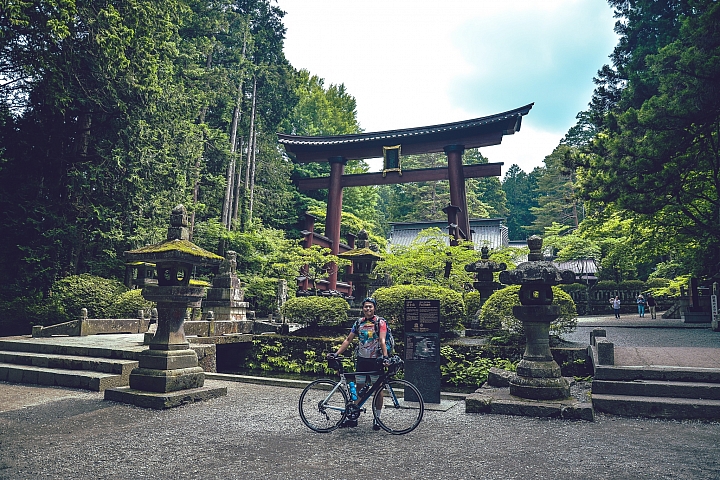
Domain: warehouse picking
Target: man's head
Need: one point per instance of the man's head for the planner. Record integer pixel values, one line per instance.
(368, 307)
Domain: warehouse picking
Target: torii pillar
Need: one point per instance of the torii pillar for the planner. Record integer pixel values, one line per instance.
(334, 211)
(458, 197)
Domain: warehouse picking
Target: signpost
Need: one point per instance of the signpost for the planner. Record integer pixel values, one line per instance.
(422, 347)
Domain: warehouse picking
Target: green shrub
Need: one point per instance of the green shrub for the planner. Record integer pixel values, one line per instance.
(316, 310)
(606, 285)
(637, 285)
(97, 294)
(17, 316)
(391, 305)
(127, 304)
(473, 302)
(657, 283)
(459, 370)
(496, 312)
(672, 288)
(261, 293)
(573, 287)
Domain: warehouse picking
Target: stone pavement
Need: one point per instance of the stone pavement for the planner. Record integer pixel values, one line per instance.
(255, 432)
(659, 342)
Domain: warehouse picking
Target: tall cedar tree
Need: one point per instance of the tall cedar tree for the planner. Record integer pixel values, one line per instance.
(657, 110)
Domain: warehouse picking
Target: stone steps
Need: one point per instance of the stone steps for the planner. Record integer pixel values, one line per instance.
(659, 373)
(45, 348)
(641, 385)
(657, 407)
(69, 362)
(73, 366)
(655, 388)
(82, 379)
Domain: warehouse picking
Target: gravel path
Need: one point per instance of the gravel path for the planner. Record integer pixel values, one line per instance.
(255, 432)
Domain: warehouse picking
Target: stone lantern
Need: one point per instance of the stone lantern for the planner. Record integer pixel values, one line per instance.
(538, 375)
(484, 269)
(363, 260)
(169, 365)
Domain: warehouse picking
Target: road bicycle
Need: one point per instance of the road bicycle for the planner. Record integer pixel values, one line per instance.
(325, 404)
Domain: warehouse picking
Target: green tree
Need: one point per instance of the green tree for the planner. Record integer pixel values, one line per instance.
(556, 192)
(658, 115)
(519, 188)
(429, 260)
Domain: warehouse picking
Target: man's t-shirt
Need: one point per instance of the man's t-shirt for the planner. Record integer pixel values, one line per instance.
(368, 339)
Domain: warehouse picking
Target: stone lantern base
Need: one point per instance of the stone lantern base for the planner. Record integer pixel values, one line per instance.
(167, 371)
(161, 400)
(538, 375)
(539, 388)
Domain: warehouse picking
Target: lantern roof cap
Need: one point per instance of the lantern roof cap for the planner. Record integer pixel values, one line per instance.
(177, 250)
(358, 253)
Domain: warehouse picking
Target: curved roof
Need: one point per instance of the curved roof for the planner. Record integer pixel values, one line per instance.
(477, 132)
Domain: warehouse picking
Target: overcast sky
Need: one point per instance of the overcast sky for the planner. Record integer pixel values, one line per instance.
(411, 63)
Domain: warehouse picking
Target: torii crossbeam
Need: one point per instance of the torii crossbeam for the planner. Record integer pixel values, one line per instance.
(452, 138)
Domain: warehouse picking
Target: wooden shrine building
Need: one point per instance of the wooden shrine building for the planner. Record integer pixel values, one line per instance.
(451, 138)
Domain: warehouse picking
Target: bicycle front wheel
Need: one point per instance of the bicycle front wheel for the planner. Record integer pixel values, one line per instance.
(403, 407)
(322, 405)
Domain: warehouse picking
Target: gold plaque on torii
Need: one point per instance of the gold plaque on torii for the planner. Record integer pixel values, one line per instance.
(391, 160)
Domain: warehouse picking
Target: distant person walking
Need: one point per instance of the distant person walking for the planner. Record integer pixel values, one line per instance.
(651, 304)
(615, 302)
(641, 305)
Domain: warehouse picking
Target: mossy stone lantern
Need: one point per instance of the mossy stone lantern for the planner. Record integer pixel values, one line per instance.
(538, 375)
(363, 260)
(170, 364)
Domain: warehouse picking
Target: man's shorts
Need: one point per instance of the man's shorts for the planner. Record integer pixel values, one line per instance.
(367, 365)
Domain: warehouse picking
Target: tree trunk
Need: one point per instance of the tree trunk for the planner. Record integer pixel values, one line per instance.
(196, 187)
(238, 188)
(251, 148)
(252, 177)
(227, 213)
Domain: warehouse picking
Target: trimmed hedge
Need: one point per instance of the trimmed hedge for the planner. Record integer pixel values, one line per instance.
(497, 311)
(316, 310)
(391, 305)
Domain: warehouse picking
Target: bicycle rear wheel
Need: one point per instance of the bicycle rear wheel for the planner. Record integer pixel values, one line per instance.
(322, 409)
(398, 415)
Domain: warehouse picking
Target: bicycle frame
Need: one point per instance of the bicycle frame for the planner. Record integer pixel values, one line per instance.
(379, 384)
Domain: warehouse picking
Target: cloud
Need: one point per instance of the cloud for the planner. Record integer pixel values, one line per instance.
(421, 62)
(547, 55)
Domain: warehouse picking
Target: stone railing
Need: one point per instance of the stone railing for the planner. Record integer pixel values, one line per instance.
(84, 326)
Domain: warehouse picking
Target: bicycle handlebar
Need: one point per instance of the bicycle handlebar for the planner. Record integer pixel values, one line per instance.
(395, 363)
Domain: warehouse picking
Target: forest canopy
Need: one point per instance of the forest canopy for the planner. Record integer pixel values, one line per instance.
(112, 113)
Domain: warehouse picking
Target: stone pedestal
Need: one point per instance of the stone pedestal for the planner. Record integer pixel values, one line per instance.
(169, 365)
(168, 373)
(538, 375)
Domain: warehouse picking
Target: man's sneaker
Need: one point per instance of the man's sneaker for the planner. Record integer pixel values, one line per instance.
(348, 423)
(376, 425)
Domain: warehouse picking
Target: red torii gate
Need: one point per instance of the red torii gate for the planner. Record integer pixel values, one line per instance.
(452, 138)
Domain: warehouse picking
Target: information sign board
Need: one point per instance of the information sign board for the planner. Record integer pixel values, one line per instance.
(422, 347)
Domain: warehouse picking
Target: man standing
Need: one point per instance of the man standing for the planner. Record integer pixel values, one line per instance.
(371, 331)
(615, 302)
(651, 304)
